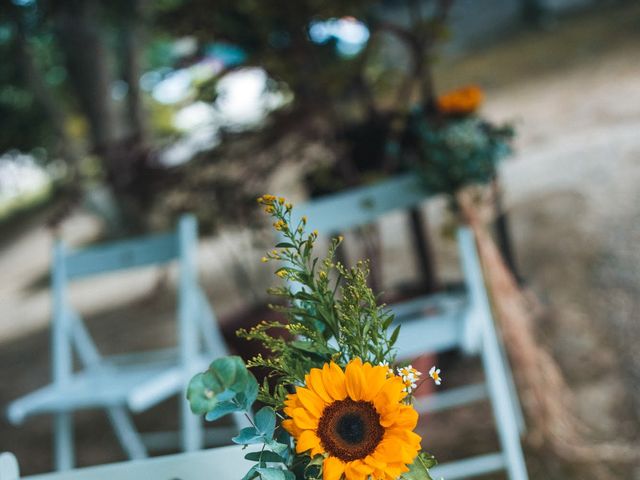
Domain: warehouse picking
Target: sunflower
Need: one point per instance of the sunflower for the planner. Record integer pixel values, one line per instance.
(462, 101)
(356, 419)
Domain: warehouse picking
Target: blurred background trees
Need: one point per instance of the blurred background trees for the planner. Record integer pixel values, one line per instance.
(131, 99)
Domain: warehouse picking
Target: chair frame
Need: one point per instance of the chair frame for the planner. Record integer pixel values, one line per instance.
(169, 371)
(463, 321)
(222, 463)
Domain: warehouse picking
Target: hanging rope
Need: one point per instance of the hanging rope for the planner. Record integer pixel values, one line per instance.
(547, 398)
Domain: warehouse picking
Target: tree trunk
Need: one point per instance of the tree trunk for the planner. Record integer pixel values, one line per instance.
(132, 68)
(124, 157)
(79, 35)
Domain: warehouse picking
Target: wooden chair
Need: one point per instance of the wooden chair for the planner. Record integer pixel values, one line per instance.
(440, 322)
(225, 463)
(132, 382)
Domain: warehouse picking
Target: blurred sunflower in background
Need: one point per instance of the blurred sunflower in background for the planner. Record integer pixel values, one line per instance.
(356, 419)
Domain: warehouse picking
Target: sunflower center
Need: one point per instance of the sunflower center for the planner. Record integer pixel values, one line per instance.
(350, 430)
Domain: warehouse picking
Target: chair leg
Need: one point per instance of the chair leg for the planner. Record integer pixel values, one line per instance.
(192, 429)
(503, 411)
(126, 432)
(9, 469)
(63, 441)
(514, 397)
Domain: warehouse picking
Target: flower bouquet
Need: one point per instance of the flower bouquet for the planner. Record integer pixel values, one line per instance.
(333, 405)
(455, 147)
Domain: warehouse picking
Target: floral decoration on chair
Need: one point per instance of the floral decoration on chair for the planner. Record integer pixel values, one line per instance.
(455, 147)
(334, 409)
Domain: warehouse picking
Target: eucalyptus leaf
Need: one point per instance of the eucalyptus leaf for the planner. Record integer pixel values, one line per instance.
(201, 393)
(265, 421)
(279, 448)
(247, 397)
(231, 372)
(264, 456)
(252, 473)
(222, 409)
(271, 473)
(227, 386)
(248, 436)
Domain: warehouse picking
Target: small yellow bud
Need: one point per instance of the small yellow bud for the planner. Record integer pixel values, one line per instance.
(323, 274)
(304, 219)
(315, 233)
(264, 259)
(289, 206)
(282, 273)
(281, 200)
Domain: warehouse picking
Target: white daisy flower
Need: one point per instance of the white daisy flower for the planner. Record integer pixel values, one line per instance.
(435, 374)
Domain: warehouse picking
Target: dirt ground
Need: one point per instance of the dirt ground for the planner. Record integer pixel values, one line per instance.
(573, 196)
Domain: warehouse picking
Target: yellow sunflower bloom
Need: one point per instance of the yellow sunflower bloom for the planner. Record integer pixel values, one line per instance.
(354, 418)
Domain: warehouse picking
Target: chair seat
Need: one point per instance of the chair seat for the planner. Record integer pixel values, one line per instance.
(431, 323)
(137, 381)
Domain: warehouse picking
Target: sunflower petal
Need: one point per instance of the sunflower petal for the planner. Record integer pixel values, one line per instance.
(333, 380)
(312, 402)
(332, 468)
(291, 427)
(354, 379)
(375, 378)
(406, 417)
(306, 441)
(357, 470)
(304, 420)
(374, 462)
(316, 383)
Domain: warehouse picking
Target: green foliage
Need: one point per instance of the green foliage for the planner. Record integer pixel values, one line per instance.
(458, 152)
(419, 469)
(363, 324)
(331, 313)
(227, 386)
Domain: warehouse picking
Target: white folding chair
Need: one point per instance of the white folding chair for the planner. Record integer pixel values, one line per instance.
(225, 463)
(125, 383)
(439, 322)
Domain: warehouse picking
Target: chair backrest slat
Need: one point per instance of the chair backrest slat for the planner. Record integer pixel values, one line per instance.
(150, 250)
(361, 206)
